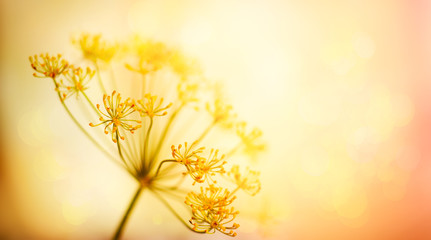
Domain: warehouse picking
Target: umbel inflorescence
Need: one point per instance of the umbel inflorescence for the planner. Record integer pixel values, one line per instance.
(168, 92)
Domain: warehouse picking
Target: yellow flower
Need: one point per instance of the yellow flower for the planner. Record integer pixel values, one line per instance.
(249, 181)
(188, 156)
(149, 107)
(207, 168)
(211, 211)
(187, 91)
(199, 168)
(184, 66)
(252, 140)
(94, 48)
(48, 66)
(152, 56)
(222, 113)
(116, 115)
(77, 79)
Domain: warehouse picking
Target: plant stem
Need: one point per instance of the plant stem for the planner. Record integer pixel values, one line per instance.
(127, 214)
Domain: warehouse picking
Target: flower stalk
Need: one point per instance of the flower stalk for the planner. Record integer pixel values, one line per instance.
(126, 215)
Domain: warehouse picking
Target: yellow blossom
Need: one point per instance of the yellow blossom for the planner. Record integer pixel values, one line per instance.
(187, 92)
(94, 48)
(184, 66)
(207, 168)
(152, 56)
(222, 113)
(77, 79)
(48, 66)
(252, 140)
(188, 156)
(249, 181)
(116, 115)
(149, 106)
(211, 211)
(199, 168)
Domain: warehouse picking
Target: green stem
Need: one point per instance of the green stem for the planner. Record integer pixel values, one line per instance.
(207, 130)
(233, 150)
(147, 138)
(127, 214)
(91, 103)
(168, 125)
(99, 77)
(121, 155)
(174, 212)
(111, 70)
(161, 163)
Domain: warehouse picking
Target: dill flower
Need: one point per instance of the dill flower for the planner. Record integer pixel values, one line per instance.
(211, 211)
(94, 48)
(251, 140)
(116, 115)
(200, 169)
(184, 66)
(152, 56)
(248, 181)
(222, 113)
(149, 106)
(76, 81)
(48, 66)
(145, 154)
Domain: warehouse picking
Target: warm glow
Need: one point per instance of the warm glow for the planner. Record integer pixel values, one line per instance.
(340, 90)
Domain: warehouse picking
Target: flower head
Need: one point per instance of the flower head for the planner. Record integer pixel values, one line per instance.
(94, 48)
(251, 139)
(211, 211)
(48, 66)
(248, 181)
(187, 156)
(198, 167)
(152, 56)
(76, 81)
(149, 106)
(207, 168)
(187, 92)
(116, 115)
(221, 112)
(184, 66)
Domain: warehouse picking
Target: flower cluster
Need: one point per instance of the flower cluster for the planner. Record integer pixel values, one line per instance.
(143, 127)
(201, 169)
(48, 66)
(117, 113)
(211, 211)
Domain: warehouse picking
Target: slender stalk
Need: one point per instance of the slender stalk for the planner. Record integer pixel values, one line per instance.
(127, 214)
(207, 130)
(233, 150)
(99, 77)
(165, 131)
(161, 163)
(91, 103)
(121, 155)
(147, 137)
(111, 70)
(174, 212)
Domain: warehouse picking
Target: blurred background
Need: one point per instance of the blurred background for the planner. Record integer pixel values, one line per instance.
(341, 90)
